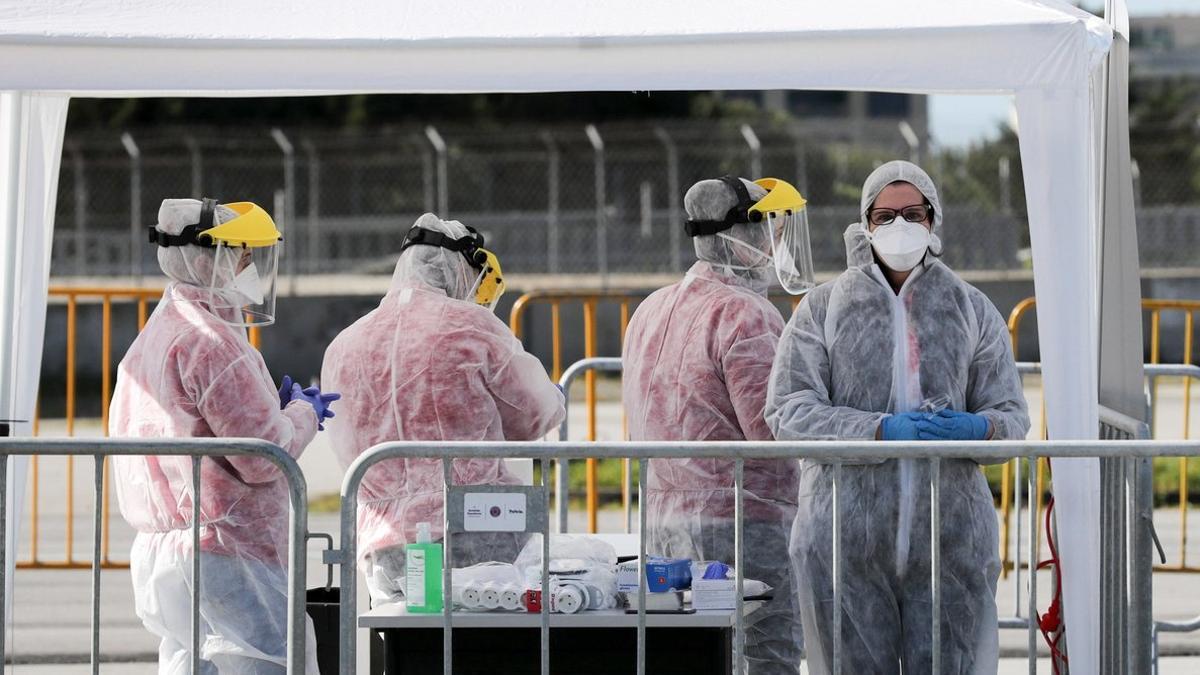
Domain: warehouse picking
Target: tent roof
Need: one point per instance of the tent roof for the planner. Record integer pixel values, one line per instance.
(157, 47)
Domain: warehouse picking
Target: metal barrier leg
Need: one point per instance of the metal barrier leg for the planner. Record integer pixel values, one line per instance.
(298, 579)
(347, 633)
(447, 568)
(935, 558)
(562, 480)
(1016, 483)
(837, 569)
(627, 493)
(4, 467)
(1006, 484)
(1035, 470)
(641, 615)
(739, 543)
(97, 525)
(1140, 487)
(545, 613)
(196, 564)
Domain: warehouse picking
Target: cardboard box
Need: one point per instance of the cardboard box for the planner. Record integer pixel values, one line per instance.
(714, 594)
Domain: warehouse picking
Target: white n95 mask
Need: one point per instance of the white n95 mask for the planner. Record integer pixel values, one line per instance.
(901, 244)
(247, 286)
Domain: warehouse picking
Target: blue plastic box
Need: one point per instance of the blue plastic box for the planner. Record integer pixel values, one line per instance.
(665, 574)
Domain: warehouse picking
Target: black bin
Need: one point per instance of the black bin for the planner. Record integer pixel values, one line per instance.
(322, 606)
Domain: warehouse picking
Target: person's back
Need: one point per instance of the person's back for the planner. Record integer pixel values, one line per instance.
(429, 365)
(423, 366)
(693, 370)
(696, 362)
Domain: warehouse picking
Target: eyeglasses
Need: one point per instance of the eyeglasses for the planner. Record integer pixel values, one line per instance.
(917, 213)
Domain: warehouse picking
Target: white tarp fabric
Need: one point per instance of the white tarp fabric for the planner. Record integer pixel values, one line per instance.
(188, 47)
(28, 190)
(1063, 265)
(1043, 51)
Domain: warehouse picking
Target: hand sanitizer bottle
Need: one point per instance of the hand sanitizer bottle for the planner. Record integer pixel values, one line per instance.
(423, 573)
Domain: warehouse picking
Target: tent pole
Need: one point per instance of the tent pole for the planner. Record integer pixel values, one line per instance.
(10, 120)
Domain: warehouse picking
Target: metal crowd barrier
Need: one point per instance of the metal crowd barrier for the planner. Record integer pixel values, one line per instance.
(1124, 600)
(589, 302)
(198, 449)
(73, 297)
(1010, 483)
(1155, 308)
(1115, 427)
(562, 481)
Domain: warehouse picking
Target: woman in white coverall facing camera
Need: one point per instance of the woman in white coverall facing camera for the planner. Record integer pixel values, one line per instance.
(191, 373)
(697, 358)
(897, 347)
(433, 363)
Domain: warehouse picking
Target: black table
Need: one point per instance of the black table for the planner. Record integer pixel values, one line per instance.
(595, 642)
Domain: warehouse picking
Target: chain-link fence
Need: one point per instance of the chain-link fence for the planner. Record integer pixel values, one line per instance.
(553, 199)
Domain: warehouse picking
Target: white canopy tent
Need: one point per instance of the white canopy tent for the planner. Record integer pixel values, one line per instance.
(1044, 52)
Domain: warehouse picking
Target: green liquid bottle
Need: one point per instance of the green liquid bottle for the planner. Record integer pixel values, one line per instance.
(423, 573)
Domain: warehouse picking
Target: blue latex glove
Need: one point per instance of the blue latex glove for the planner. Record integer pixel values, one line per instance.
(285, 391)
(902, 427)
(951, 425)
(716, 570)
(320, 402)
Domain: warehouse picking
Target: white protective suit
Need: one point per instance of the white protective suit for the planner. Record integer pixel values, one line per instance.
(854, 352)
(191, 375)
(429, 364)
(696, 360)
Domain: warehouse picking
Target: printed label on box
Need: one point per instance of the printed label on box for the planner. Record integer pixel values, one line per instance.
(494, 512)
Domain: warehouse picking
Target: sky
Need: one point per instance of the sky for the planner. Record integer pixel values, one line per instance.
(957, 121)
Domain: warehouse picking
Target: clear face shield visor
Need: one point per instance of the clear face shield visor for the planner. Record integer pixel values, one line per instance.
(243, 284)
(785, 214)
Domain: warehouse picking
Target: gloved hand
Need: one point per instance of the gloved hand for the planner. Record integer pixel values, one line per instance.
(560, 389)
(901, 427)
(285, 391)
(951, 425)
(320, 402)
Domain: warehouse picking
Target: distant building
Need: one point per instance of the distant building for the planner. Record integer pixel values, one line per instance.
(1164, 47)
(854, 116)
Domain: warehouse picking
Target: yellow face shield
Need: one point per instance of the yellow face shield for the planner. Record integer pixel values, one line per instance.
(245, 266)
(251, 228)
(785, 212)
(489, 286)
(245, 249)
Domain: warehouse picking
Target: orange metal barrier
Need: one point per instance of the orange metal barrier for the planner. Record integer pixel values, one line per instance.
(589, 301)
(1155, 308)
(73, 297)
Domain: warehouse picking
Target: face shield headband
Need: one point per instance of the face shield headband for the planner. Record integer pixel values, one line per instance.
(739, 214)
(489, 285)
(190, 235)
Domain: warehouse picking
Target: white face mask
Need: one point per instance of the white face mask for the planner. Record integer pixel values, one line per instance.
(247, 285)
(901, 244)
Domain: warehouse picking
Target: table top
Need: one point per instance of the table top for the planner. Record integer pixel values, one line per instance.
(397, 616)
